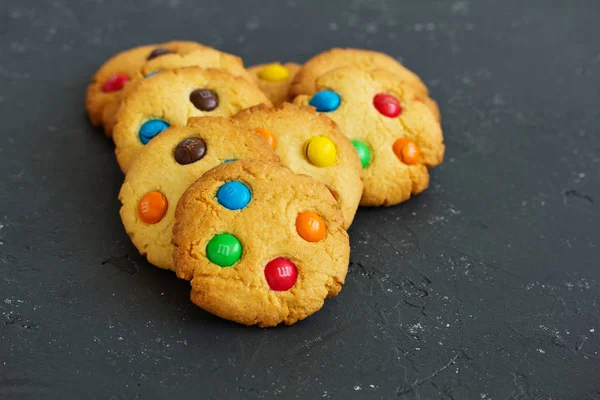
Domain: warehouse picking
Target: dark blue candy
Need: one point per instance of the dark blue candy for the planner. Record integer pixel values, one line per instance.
(325, 101)
(234, 195)
(151, 128)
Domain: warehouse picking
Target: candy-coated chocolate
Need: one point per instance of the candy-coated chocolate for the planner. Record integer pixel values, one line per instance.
(407, 151)
(152, 207)
(234, 195)
(281, 274)
(204, 99)
(310, 226)
(387, 105)
(151, 128)
(364, 152)
(274, 73)
(190, 150)
(159, 52)
(115, 83)
(228, 160)
(268, 137)
(325, 101)
(224, 250)
(321, 151)
(151, 74)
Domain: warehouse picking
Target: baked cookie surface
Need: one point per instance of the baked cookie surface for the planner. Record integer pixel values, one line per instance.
(395, 136)
(311, 143)
(260, 244)
(274, 79)
(368, 60)
(167, 166)
(170, 98)
(113, 76)
(205, 57)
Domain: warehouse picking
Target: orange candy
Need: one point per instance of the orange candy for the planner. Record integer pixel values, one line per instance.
(310, 226)
(152, 207)
(407, 151)
(268, 137)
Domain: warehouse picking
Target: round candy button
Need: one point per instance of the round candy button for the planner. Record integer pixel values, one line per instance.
(190, 150)
(224, 250)
(268, 137)
(325, 101)
(387, 105)
(115, 83)
(204, 99)
(364, 152)
(274, 73)
(151, 128)
(310, 226)
(234, 195)
(407, 151)
(159, 52)
(152, 207)
(321, 151)
(281, 274)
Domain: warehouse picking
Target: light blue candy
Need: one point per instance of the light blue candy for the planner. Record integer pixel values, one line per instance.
(325, 101)
(234, 195)
(228, 160)
(151, 128)
(151, 74)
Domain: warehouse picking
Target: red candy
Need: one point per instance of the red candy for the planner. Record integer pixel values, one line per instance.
(115, 83)
(281, 274)
(387, 105)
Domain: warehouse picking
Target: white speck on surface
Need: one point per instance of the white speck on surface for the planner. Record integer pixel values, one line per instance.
(121, 338)
(372, 386)
(592, 330)
(541, 351)
(460, 7)
(357, 388)
(8, 301)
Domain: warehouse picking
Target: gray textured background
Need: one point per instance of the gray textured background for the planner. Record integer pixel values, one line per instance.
(484, 287)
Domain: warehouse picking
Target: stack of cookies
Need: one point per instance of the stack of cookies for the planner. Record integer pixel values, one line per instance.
(244, 181)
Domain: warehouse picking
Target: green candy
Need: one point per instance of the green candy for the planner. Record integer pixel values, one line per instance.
(364, 152)
(224, 250)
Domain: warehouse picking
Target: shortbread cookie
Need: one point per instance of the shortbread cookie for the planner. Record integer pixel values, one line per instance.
(312, 144)
(119, 73)
(260, 244)
(274, 79)
(167, 166)
(396, 137)
(173, 96)
(305, 80)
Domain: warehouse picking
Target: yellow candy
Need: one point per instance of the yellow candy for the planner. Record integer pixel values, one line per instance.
(321, 151)
(274, 73)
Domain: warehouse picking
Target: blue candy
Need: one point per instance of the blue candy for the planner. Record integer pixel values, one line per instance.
(228, 160)
(234, 195)
(151, 74)
(151, 128)
(325, 101)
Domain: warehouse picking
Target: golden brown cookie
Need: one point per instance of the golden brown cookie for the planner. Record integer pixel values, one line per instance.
(260, 244)
(167, 166)
(312, 144)
(368, 60)
(274, 79)
(396, 137)
(118, 74)
(170, 98)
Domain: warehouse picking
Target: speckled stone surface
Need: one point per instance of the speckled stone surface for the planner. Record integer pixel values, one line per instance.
(484, 287)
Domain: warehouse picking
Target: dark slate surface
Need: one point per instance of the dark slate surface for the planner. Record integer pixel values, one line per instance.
(484, 287)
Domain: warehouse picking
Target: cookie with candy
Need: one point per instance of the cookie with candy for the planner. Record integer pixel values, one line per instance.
(274, 79)
(260, 244)
(396, 136)
(166, 167)
(311, 143)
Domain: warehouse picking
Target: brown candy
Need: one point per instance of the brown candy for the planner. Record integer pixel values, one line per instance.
(159, 52)
(204, 99)
(190, 150)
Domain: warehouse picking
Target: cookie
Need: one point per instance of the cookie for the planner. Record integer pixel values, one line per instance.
(167, 166)
(397, 137)
(260, 244)
(274, 79)
(173, 96)
(312, 144)
(305, 80)
(118, 74)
